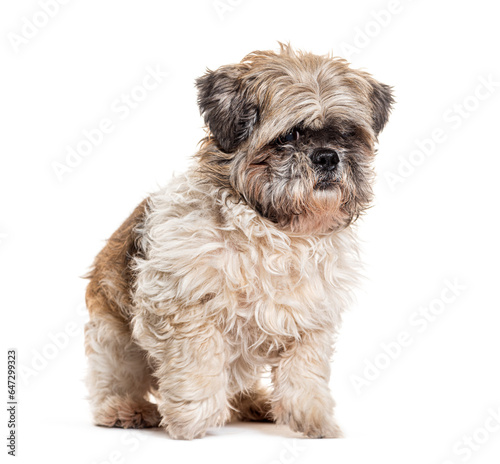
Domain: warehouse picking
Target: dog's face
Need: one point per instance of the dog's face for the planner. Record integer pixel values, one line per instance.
(293, 134)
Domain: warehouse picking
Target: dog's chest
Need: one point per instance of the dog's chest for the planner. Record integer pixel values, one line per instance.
(275, 291)
(261, 286)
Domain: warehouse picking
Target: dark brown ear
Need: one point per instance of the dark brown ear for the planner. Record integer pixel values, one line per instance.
(226, 107)
(382, 100)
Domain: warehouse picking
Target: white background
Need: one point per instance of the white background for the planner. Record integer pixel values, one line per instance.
(437, 223)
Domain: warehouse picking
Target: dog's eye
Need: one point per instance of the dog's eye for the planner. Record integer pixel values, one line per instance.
(290, 136)
(348, 133)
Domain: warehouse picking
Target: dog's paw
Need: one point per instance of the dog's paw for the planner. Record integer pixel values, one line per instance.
(191, 420)
(313, 422)
(185, 431)
(326, 429)
(192, 430)
(126, 413)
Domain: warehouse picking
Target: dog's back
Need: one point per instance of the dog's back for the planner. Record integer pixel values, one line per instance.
(111, 276)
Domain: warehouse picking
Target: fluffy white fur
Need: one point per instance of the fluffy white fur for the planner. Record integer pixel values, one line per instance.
(222, 293)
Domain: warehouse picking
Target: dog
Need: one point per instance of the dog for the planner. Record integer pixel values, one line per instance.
(243, 265)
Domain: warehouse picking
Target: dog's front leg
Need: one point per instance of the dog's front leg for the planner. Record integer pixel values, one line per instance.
(190, 365)
(302, 398)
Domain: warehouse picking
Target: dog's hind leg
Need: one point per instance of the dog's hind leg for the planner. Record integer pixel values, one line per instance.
(119, 378)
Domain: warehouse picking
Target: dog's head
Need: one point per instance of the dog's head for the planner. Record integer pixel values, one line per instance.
(293, 134)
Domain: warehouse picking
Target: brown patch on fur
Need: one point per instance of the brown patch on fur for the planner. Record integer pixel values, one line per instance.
(214, 166)
(111, 276)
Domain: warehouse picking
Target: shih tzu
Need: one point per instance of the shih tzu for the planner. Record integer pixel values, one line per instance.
(246, 262)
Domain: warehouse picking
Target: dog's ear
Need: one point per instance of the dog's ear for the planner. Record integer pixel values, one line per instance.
(226, 107)
(382, 101)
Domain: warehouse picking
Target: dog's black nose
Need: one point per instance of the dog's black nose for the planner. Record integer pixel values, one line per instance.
(325, 158)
